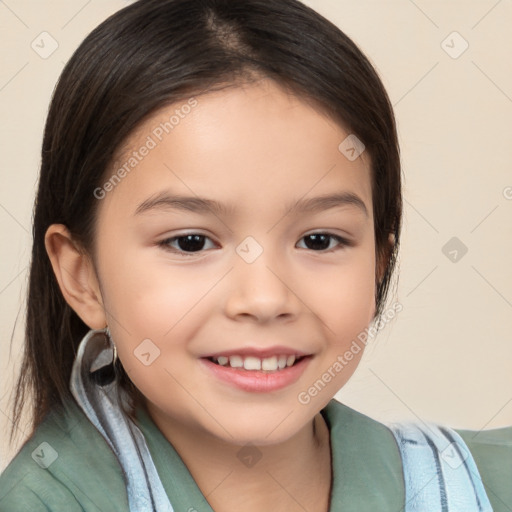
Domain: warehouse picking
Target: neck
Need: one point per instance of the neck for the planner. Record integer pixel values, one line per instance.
(294, 475)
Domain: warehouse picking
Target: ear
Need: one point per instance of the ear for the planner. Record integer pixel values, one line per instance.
(76, 276)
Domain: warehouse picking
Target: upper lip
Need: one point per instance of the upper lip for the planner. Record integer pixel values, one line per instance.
(259, 352)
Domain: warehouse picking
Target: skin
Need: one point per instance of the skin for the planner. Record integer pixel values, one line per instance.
(258, 149)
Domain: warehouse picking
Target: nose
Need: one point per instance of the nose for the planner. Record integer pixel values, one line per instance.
(261, 290)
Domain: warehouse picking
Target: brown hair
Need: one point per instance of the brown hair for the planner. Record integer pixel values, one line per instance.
(154, 53)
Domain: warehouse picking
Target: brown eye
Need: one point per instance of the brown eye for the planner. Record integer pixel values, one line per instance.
(185, 244)
(321, 242)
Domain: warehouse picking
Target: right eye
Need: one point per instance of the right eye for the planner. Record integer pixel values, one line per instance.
(186, 244)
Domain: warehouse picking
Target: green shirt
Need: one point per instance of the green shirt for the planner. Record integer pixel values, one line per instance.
(83, 473)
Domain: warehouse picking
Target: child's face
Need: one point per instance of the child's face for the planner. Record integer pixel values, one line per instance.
(257, 280)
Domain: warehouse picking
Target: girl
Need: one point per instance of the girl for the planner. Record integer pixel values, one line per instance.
(217, 222)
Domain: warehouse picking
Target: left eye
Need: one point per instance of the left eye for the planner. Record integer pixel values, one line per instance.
(189, 244)
(322, 241)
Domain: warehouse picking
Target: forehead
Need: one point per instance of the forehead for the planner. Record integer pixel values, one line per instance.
(244, 146)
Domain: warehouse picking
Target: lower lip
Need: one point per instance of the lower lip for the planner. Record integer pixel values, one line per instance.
(258, 381)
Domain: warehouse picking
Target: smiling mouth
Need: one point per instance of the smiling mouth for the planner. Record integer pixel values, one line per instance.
(250, 363)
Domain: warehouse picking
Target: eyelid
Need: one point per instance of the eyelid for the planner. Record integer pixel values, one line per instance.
(345, 238)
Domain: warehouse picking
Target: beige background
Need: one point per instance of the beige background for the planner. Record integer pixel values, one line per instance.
(447, 356)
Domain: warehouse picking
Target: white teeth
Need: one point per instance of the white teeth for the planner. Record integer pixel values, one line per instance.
(223, 360)
(270, 364)
(236, 361)
(252, 363)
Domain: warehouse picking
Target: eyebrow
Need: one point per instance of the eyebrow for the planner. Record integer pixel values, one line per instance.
(165, 201)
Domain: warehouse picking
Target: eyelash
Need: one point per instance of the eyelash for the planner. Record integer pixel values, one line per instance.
(342, 242)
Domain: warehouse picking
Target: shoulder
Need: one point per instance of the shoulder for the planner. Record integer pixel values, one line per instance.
(355, 426)
(345, 422)
(65, 466)
(380, 447)
(364, 450)
(448, 466)
(492, 451)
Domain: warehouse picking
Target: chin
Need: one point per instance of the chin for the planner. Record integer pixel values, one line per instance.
(261, 430)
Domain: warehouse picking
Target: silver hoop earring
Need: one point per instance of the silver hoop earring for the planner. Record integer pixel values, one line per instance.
(96, 358)
(112, 344)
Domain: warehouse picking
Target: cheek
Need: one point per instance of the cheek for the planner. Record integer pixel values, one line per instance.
(149, 293)
(157, 310)
(147, 299)
(347, 305)
(345, 297)
(350, 306)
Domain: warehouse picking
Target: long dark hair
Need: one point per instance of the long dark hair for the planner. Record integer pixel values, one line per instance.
(158, 52)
